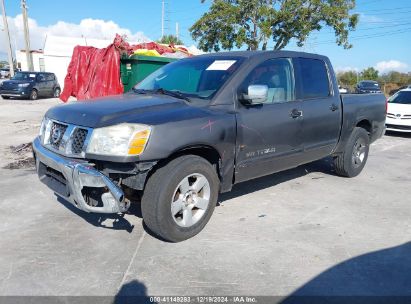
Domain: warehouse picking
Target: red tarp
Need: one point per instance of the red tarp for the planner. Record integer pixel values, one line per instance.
(95, 72)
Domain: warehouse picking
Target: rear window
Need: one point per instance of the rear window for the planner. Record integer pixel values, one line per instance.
(403, 97)
(314, 78)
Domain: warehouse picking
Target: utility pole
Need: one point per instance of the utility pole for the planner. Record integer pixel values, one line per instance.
(177, 31)
(6, 30)
(162, 17)
(27, 36)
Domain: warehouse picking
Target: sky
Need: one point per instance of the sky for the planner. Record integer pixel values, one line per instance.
(382, 39)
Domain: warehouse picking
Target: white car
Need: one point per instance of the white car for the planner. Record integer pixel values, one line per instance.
(399, 112)
(4, 72)
(342, 90)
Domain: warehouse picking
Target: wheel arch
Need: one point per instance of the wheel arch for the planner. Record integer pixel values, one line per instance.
(207, 152)
(366, 125)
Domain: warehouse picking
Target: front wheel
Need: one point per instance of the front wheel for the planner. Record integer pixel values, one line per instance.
(180, 198)
(34, 95)
(351, 162)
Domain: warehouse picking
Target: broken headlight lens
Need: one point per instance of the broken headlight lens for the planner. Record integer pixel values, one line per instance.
(119, 140)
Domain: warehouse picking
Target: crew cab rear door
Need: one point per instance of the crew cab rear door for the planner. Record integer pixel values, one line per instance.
(321, 107)
(269, 135)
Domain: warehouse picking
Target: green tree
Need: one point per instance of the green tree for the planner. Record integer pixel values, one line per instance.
(170, 39)
(3, 63)
(369, 74)
(349, 78)
(234, 23)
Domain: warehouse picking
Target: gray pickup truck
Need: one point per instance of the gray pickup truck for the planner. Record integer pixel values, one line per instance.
(196, 127)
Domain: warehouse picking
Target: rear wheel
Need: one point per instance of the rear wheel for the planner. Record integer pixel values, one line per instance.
(57, 92)
(5, 97)
(34, 95)
(351, 162)
(180, 198)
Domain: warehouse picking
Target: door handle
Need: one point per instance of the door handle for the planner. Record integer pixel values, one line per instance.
(333, 107)
(296, 113)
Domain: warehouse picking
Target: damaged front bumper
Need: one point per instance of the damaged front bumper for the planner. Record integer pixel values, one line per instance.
(72, 178)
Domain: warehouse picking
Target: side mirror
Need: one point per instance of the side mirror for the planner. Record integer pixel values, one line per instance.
(256, 94)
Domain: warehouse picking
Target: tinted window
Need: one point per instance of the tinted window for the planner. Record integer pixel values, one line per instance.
(49, 77)
(369, 84)
(24, 76)
(41, 77)
(403, 97)
(314, 78)
(277, 75)
(198, 77)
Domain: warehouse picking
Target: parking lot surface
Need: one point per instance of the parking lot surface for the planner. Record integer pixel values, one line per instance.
(300, 232)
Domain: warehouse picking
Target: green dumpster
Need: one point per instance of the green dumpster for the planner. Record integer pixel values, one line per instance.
(137, 67)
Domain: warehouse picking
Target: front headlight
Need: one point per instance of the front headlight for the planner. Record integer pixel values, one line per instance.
(24, 85)
(119, 140)
(44, 130)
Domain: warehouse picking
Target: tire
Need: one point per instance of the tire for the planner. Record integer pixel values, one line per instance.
(174, 186)
(34, 95)
(56, 93)
(351, 162)
(5, 97)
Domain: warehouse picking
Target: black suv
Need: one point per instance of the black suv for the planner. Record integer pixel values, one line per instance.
(367, 86)
(30, 85)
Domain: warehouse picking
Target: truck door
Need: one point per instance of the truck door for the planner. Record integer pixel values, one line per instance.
(321, 107)
(269, 136)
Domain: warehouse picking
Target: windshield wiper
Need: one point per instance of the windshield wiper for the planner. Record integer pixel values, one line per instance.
(176, 94)
(141, 91)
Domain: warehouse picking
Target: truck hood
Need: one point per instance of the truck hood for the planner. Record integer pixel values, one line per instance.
(127, 108)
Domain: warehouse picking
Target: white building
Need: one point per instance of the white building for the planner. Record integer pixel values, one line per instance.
(56, 56)
(38, 60)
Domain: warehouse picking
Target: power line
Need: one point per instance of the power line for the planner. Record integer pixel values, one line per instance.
(391, 13)
(368, 36)
(386, 9)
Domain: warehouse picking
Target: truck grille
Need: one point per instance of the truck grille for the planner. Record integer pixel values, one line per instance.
(395, 116)
(79, 138)
(56, 134)
(66, 139)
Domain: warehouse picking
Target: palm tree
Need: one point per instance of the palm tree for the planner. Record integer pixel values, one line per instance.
(170, 39)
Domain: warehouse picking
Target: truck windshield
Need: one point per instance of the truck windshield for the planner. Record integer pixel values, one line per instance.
(403, 97)
(24, 76)
(198, 77)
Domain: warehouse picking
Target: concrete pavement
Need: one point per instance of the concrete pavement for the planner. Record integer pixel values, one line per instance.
(303, 231)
